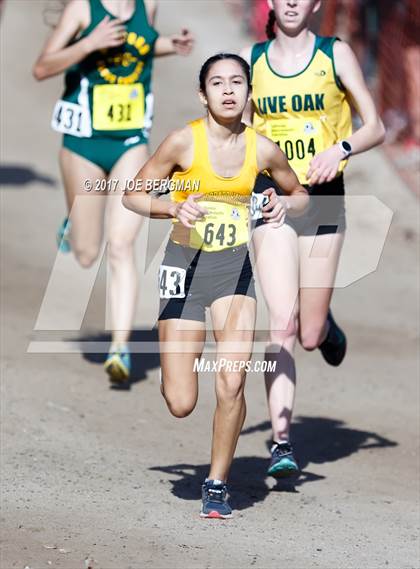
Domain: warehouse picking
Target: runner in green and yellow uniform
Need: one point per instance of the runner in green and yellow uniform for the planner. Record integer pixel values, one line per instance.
(302, 86)
(106, 48)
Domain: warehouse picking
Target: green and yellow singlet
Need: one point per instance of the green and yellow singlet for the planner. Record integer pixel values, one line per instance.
(304, 113)
(109, 92)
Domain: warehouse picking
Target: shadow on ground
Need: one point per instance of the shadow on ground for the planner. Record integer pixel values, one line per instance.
(246, 468)
(141, 363)
(16, 175)
(318, 440)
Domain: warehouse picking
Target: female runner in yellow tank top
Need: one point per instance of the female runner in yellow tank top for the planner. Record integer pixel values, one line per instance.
(302, 85)
(206, 262)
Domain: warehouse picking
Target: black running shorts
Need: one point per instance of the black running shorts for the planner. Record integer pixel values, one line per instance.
(326, 212)
(191, 280)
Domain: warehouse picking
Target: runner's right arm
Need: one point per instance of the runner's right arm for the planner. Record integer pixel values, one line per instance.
(174, 152)
(58, 55)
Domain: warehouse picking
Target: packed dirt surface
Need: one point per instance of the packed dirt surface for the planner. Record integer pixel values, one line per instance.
(90, 472)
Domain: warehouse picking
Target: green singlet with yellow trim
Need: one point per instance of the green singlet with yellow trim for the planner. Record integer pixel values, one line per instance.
(109, 92)
(304, 113)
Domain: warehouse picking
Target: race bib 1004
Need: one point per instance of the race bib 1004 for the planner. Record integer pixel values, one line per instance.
(118, 107)
(224, 226)
(73, 119)
(300, 140)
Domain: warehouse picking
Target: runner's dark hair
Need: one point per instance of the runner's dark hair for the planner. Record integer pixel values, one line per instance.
(204, 71)
(271, 22)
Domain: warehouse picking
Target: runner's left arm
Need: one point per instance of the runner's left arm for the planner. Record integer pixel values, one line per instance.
(324, 166)
(296, 198)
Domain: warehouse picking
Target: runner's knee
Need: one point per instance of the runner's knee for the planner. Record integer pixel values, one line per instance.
(311, 336)
(230, 386)
(119, 250)
(178, 406)
(86, 256)
(283, 328)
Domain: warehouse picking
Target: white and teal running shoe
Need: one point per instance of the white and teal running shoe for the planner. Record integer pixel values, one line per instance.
(63, 236)
(283, 464)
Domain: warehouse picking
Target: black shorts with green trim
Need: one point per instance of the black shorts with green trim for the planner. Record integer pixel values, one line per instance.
(190, 280)
(326, 213)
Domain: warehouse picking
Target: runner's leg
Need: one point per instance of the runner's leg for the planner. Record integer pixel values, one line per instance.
(229, 416)
(277, 266)
(319, 258)
(86, 209)
(179, 380)
(121, 229)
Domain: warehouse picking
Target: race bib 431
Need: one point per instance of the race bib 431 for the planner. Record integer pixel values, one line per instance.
(73, 119)
(118, 107)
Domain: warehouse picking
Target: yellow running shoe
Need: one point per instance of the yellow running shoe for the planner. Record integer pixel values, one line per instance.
(118, 364)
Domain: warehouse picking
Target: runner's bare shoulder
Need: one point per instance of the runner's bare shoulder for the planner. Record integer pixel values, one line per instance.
(344, 57)
(267, 149)
(77, 11)
(177, 148)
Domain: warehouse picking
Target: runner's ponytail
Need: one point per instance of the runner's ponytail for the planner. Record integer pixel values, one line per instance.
(271, 22)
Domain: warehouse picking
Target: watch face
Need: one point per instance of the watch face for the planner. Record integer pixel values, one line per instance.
(346, 145)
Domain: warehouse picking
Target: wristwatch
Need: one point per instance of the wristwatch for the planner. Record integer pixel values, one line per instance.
(345, 148)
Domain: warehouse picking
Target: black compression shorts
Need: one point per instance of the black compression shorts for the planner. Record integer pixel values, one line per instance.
(326, 212)
(191, 280)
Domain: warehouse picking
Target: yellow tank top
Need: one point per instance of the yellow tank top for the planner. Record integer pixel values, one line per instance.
(304, 113)
(225, 199)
